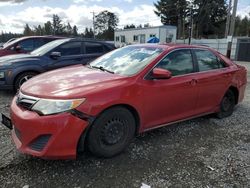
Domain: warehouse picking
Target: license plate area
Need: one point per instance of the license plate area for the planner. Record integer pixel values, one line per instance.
(6, 121)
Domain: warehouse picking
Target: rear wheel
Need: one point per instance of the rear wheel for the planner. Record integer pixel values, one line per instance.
(23, 78)
(111, 132)
(227, 105)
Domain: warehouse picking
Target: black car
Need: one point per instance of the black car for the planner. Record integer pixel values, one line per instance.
(25, 44)
(16, 69)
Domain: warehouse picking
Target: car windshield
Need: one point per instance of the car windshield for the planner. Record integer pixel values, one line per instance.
(10, 42)
(127, 61)
(48, 47)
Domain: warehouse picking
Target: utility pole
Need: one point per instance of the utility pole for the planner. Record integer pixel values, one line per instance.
(179, 29)
(228, 18)
(93, 23)
(190, 24)
(232, 24)
(231, 30)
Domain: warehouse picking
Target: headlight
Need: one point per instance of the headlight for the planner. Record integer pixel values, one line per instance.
(49, 106)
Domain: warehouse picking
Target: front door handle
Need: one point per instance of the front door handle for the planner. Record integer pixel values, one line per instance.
(193, 82)
(227, 75)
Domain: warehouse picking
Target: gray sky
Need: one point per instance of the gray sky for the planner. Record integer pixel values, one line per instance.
(15, 13)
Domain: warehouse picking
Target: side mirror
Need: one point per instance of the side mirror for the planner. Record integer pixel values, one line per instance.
(159, 73)
(55, 55)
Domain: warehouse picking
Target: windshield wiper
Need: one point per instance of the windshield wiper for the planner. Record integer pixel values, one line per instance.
(102, 69)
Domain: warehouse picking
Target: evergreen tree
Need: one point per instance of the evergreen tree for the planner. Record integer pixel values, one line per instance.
(210, 17)
(39, 30)
(58, 27)
(105, 24)
(69, 29)
(172, 12)
(4, 37)
(48, 30)
(244, 26)
(129, 26)
(88, 33)
(27, 30)
(75, 31)
(237, 25)
(91, 33)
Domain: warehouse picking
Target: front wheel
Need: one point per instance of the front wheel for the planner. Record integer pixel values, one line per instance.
(23, 78)
(111, 132)
(227, 105)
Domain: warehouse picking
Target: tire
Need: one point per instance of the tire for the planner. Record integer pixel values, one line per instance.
(111, 132)
(227, 105)
(23, 78)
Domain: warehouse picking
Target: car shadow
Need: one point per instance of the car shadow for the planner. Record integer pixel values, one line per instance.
(7, 93)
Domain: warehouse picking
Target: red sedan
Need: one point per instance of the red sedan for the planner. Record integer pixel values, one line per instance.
(128, 91)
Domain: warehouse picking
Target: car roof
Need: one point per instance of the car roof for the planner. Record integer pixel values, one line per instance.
(31, 37)
(44, 36)
(90, 40)
(171, 46)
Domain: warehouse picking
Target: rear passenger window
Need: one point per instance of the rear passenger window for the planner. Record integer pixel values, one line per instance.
(38, 43)
(179, 62)
(207, 60)
(70, 48)
(92, 48)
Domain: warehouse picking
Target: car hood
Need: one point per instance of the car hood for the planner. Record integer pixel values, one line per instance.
(70, 82)
(17, 58)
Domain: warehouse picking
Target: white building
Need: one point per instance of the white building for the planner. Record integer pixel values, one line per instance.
(165, 33)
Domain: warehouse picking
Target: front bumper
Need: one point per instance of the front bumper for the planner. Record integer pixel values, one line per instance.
(51, 137)
(6, 81)
(242, 90)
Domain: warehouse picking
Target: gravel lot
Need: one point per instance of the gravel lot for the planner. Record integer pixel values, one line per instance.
(204, 152)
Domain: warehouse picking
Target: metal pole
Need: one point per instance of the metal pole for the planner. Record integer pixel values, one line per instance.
(93, 23)
(190, 25)
(228, 18)
(231, 32)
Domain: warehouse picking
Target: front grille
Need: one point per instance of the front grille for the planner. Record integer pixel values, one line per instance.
(40, 142)
(18, 133)
(25, 105)
(25, 101)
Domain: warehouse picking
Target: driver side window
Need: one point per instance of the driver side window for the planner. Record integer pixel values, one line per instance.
(179, 62)
(70, 48)
(26, 45)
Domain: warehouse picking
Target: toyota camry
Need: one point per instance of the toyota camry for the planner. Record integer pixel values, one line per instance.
(130, 90)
